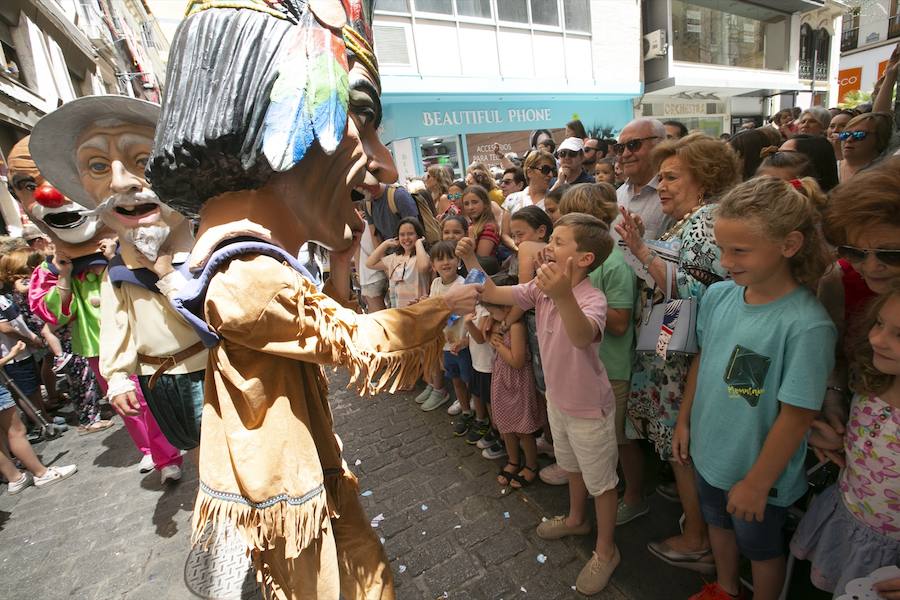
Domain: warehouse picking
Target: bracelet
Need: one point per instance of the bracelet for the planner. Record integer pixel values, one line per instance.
(652, 255)
(834, 388)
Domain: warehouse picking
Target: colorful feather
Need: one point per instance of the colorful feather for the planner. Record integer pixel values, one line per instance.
(309, 98)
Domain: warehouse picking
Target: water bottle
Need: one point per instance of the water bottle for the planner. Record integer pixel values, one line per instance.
(476, 276)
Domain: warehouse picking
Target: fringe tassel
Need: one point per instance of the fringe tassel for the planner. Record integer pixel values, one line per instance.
(370, 371)
(297, 525)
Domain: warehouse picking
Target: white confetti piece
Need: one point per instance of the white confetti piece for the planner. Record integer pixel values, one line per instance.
(573, 588)
(541, 558)
(377, 520)
(423, 533)
(506, 515)
(457, 527)
(543, 519)
(358, 462)
(366, 493)
(424, 507)
(523, 590)
(401, 569)
(382, 540)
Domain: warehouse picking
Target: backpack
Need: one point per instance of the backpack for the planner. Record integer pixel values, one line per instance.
(425, 207)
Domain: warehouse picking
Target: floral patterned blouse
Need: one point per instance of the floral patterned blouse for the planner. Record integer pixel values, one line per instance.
(870, 483)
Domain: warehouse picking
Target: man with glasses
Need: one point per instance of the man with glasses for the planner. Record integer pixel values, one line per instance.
(594, 150)
(571, 163)
(638, 194)
(513, 181)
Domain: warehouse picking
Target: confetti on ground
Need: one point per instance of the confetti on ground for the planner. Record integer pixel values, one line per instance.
(541, 558)
(423, 533)
(543, 519)
(377, 520)
(523, 590)
(573, 588)
(366, 493)
(358, 462)
(424, 507)
(382, 540)
(401, 569)
(457, 527)
(506, 515)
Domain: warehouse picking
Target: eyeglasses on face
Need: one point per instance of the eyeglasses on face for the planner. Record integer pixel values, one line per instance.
(852, 254)
(546, 170)
(856, 135)
(590, 149)
(633, 145)
(507, 181)
(567, 154)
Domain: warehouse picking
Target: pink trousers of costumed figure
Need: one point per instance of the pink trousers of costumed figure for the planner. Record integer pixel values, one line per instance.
(143, 428)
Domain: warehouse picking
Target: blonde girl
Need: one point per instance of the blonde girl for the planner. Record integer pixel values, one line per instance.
(483, 228)
(754, 391)
(438, 182)
(409, 269)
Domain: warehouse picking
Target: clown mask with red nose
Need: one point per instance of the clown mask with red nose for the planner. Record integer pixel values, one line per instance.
(57, 216)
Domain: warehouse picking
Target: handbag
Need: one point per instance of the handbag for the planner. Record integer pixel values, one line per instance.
(669, 327)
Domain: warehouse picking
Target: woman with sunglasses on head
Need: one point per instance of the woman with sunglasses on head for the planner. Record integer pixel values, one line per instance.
(864, 138)
(863, 222)
(437, 182)
(820, 154)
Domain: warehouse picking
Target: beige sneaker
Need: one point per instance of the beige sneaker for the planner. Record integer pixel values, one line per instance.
(596, 573)
(555, 528)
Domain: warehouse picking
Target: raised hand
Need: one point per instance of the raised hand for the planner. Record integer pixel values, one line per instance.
(555, 280)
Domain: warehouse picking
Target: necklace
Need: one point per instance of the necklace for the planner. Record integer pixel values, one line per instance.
(677, 227)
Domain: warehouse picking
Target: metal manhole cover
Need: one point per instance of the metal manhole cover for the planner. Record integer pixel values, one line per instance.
(224, 571)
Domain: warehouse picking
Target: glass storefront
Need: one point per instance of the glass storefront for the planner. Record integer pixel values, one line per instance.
(733, 34)
(442, 151)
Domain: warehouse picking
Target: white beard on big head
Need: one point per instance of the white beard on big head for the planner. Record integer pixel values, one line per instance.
(147, 239)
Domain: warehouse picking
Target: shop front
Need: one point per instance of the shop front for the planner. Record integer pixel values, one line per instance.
(456, 130)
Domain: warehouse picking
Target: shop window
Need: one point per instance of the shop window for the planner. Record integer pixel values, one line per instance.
(443, 7)
(474, 8)
(545, 12)
(745, 35)
(401, 6)
(515, 11)
(578, 15)
(441, 151)
(894, 20)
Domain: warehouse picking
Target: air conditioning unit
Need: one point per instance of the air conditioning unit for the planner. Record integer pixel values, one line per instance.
(655, 44)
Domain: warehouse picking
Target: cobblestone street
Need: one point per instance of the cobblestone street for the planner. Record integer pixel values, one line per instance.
(110, 532)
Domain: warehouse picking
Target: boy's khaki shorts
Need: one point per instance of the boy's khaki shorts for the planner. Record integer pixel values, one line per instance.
(586, 446)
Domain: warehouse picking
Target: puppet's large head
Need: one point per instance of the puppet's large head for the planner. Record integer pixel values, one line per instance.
(95, 150)
(276, 90)
(56, 215)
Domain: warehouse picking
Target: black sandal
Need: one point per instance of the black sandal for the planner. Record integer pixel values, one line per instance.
(509, 476)
(523, 483)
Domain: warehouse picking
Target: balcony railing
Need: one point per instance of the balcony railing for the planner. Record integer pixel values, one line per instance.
(894, 26)
(849, 39)
(806, 69)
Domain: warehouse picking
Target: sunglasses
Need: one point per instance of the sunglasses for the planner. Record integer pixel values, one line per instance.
(856, 135)
(507, 181)
(633, 145)
(546, 170)
(456, 196)
(891, 258)
(567, 154)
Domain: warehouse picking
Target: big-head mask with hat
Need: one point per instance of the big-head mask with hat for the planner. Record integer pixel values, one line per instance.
(72, 232)
(96, 148)
(275, 96)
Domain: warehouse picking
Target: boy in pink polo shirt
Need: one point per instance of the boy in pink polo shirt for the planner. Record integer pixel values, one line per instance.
(571, 315)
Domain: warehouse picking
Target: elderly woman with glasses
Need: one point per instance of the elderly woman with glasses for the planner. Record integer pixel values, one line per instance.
(693, 172)
(863, 139)
(863, 222)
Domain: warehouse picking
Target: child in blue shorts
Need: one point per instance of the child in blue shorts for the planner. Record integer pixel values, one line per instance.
(753, 392)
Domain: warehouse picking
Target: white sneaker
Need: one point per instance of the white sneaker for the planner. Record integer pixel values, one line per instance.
(544, 447)
(146, 464)
(23, 482)
(168, 472)
(55, 474)
(454, 409)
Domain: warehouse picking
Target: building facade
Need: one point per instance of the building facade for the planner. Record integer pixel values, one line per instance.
(461, 75)
(53, 51)
(716, 64)
(870, 31)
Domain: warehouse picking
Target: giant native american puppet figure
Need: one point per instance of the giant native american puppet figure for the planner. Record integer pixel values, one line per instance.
(268, 127)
